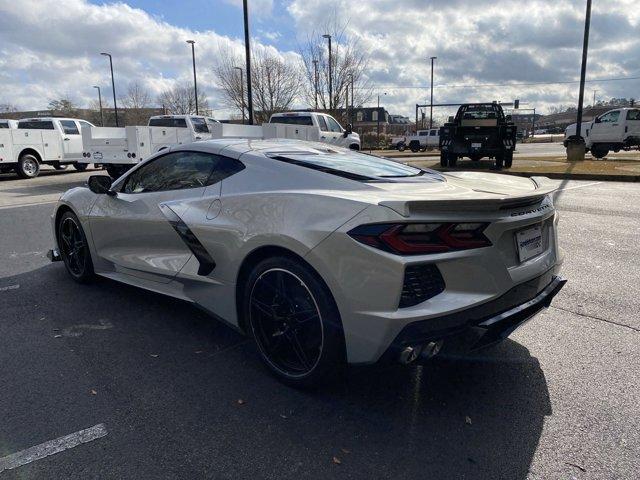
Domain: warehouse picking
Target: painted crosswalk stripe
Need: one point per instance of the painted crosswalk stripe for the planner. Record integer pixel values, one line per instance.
(52, 447)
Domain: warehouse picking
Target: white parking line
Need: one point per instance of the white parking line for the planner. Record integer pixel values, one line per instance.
(9, 287)
(52, 447)
(578, 186)
(2, 207)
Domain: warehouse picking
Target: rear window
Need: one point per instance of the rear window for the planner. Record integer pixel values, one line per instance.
(36, 125)
(356, 166)
(633, 115)
(294, 120)
(168, 122)
(199, 125)
(4, 124)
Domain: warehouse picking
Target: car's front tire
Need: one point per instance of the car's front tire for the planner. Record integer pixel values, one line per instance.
(28, 166)
(294, 322)
(74, 248)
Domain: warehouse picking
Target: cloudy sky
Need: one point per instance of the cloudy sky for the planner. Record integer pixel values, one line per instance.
(486, 49)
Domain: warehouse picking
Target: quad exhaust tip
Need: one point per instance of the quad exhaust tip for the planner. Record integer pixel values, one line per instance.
(424, 351)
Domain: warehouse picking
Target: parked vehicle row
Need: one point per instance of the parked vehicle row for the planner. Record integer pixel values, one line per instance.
(614, 130)
(36, 141)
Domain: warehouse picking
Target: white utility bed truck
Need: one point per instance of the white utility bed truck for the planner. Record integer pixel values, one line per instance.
(422, 140)
(118, 149)
(330, 131)
(36, 141)
(614, 130)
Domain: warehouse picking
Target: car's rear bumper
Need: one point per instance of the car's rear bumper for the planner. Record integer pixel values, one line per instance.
(476, 327)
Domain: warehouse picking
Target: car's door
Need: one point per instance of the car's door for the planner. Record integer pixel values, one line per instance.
(604, 130)
(632, 126)
(139, 230)
(71, 140)
(335, 131)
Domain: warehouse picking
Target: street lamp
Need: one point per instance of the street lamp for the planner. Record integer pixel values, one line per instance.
(100, 103)
(241, 92)
(113, 85)
(328, 37)
(378, 127)
(352, 99)
(195, 82)
(247, 49)
(315, 82)
(431, 104)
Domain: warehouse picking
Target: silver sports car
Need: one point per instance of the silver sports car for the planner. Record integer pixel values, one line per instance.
(324, 256)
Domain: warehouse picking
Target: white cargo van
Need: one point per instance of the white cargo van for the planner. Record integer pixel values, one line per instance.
(36, 141)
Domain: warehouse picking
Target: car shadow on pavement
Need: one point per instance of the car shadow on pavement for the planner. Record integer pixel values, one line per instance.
(176, 387)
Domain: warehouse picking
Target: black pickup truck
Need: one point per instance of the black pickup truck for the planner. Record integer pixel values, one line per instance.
(478, 130)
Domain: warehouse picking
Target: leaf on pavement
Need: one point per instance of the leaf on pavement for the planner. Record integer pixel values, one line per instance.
(467, 420)
(337, 461)
(241, 401)
(93, 392)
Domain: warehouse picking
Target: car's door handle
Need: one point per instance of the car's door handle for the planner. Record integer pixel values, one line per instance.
(323, 138)
(198, 138)
(66, 139)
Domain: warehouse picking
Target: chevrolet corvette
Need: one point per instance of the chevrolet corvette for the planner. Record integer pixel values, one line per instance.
(324, 256)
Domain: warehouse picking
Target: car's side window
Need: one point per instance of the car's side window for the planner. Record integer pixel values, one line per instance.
(180, 170)
(69, 127)
(333, 125)
(173, 171)
(610, 117)
(323, 124)
(633, 115)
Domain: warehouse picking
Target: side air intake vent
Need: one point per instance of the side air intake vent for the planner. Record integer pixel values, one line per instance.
(421, 282)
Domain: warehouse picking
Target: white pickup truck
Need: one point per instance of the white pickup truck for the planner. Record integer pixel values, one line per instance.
(36, 141)
(614, 130)
(422, 140)
(330, 130)
(8, 123)
(118, 149)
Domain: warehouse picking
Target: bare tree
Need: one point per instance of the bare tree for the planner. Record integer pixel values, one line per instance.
(63, 105)
(8, 107)
(348, 61)
(137, 97)
(274, 81)
(180, 100)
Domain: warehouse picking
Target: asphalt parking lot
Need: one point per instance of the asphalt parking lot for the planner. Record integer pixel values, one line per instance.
(178, 395)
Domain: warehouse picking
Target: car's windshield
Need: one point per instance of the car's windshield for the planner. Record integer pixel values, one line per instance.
(354, 165)
(199, 125)
(4, 124)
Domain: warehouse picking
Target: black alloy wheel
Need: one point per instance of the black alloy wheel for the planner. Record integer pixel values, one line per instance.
(294, 322)
(74, 248)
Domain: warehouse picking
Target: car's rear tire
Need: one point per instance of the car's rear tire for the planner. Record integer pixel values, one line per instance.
(453, 160)
(81, 167)
(74, 248)
(599, 152)
(294, 321)
(499, 161)
(401, 147)
(28, 166)
(444, 159)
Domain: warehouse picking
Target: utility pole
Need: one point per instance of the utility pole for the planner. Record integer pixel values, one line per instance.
(100, 103)
(378, 126)
(328, 37)
(431, 103)
(583, 71)
(247, 48)
(113, 86)
(195, 82)
(241, 93)
(315, 82)
(352, 99)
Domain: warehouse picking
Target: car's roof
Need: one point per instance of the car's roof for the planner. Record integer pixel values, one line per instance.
(48, 119)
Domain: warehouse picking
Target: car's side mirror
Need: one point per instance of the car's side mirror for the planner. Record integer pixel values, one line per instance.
(348, 130)
(100, 184)
(597, 120)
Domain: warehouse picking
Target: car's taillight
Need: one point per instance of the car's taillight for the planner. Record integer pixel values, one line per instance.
(422, 238)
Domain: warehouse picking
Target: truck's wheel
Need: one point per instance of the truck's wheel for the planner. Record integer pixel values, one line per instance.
(423, 149)
(28, 166)
(508, 159)
(414, 146)
(60, 166)
(401, 147)
(599, 152)
(81, 167)
(444, 159)
(499, 161)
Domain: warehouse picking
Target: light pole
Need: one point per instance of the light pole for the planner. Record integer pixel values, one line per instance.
(315, 82)
(583, 72)
(113, 86)
(328, 37)
(247, 48)
(352, 99)
(100, 103)
(431, 104)
(241, 92)
(195, 82)
(378, 127)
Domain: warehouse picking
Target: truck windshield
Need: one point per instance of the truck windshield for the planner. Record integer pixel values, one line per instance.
(199, 125)
(168, 122)
(293, 120)
(633, 115)
(36, 125)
